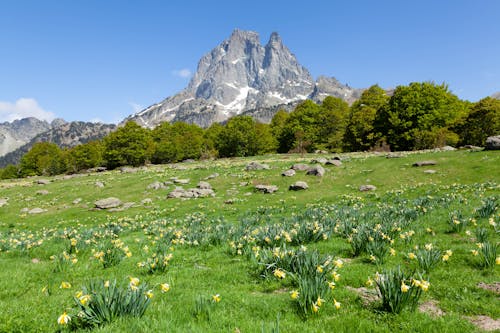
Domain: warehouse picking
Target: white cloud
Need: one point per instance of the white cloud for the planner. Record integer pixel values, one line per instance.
(183, 73)
(23, 108)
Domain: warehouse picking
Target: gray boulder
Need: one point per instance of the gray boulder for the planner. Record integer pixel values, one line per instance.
(3, 201)
(319, 160)
(316, 170)
(212, 176)
(334, 162)
(493, 143)
(252, 166)
(43, 181)
(366, 188)
(99, 184)
(288, 173)
(430, 171)
(181, 181)
(108, 203)
(156, 186)
(300, 167)
(204, 185)
(424, 163)
(42, 192)
(298, 186)
(266, 188)
(36, 211)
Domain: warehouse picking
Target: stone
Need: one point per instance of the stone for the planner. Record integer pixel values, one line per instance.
(266, 188)
(447, 148)
(318, 151)
(108, 203)
(319, 160)
(24, 210)
(3, 201)
(298, 186)
(99, 184)
(471, 147)
(77, 201)
(36, 211)
(394, 155)
(179, 192)
(42, 192)
(317, 170)
(493, 143)
(204, 185)
(156, 186)
(334, 162)
(252, 166)
(97, 169)
(181, 181)
(212, 176)
(424, 163)
(430, 171)
(43, 181)
(366, 188)
(126, 169)
(288, 173)
(146, 201)
(300, 167)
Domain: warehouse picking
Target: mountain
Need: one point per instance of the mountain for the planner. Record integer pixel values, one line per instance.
(241, 76)
(64, 134)
(19, 132)
(496, 95)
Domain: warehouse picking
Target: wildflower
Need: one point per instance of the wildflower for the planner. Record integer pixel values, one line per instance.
(468, 233)
(336, 304)
(425, 285)
(392, 252)
(338, 263)
(369, 282)
(65, 285)
(63, 319)
(456, 222)
(336, 276)
(479, 245)
(279, 273)
(319, 269)
(294, 294)
(411, 256)
(373, 258)
(404, 287)
(164, 287)
(216, 298)
(106, 284)
(315, 308)
(134, 283)
(149, 294)
(428, 247)
(497, 261)
(84, 299)
(474, 252)
(491, 222)
(446, 257)
(331, 285)
(319, 301)
(448, 252)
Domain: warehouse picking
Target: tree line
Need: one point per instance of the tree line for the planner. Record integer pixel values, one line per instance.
(420, 115)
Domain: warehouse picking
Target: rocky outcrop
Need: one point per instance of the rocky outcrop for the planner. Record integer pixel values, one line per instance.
(493, 143)
(19, 132)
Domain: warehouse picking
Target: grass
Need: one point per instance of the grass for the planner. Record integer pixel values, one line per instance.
(204, 236)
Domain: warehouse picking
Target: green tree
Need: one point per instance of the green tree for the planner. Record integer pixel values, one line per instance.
(177, 142)
(128, 145)
(482, 121)
(44, 158)
(302, 128)
(333, 121)
(9, 172)
(277, 125)
(421, 115)
(360, 133)
(211, 137)
(85, 156)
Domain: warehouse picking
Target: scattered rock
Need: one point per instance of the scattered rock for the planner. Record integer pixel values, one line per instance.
(431, 308)
(204, 185)
(320, 152)
(298, 186)
(99, 184)
(317, 170)
(393, 155)
(485, 323)
(35, 261)
(127, 205)
(181, 181)
(493, 143)
(108, 203)
(3, 201)
(126, 169)
(24, 210)
(424, 163)
(229, 201)
(266, 188)
(366, 188)
(42, 192)
(244, 184)
(319, 160)
(494, 287)
(179, 192)
(300, 167)
(471, 147)
(288, 173)
(97, 169)
(334, 162)
(189, 160)
(212, 176)
(146, 201)
(430, 171)
(252, 166)
(156, 186)
(447, 148)
(36, 211)
(43, 181)
(77, 201)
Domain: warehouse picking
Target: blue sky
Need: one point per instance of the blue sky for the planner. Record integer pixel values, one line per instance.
(105, 59)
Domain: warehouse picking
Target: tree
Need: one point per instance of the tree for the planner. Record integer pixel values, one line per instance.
(177, 142)
(128, 145)
(9, 172)
(277, 125)
(360, 133)
(333, 119)
(482, 121)
(85, 156)
(421, 115)
(44, 158)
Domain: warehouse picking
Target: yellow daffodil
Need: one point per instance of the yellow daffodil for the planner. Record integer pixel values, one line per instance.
(331, 285)
(335, 276)
(448, 252)
(319, 269)
(425, 285)
(106, 284)
(63, 319)
(315, 308)
(338, 263)
(336, 304)
(373, 258)
(392, 252)
(216, 298)
(78, 294)
(134, 281)
(445, 257)
(279, 273)
(428, 246)
(369, 282)
(149, 294)
(404, 287)
(411, 256)
(497, 261)
(84, 299)
(294, 294)
(320, 301)
(474, 252)
(65, 285)
(165, 287)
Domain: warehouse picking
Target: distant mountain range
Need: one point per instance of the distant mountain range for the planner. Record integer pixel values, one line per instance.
(496, 95)
(241, 76)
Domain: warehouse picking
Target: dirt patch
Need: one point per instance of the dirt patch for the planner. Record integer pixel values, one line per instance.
(494, 287)
(431, 308)
(485, 323)
(367, 296)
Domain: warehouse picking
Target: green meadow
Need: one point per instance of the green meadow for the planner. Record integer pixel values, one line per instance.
(315, 260)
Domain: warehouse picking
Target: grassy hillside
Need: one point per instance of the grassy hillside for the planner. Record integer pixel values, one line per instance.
(221, 245)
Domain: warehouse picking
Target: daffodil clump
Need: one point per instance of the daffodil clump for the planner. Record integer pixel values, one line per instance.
(487, 253)
(63, 261)
(111, 253)
(428, 256)
(159, 260)
(101, 302)
(203, 306)
(398, 290)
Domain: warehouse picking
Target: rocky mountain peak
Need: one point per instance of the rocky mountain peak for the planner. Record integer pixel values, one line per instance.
(239, 75)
